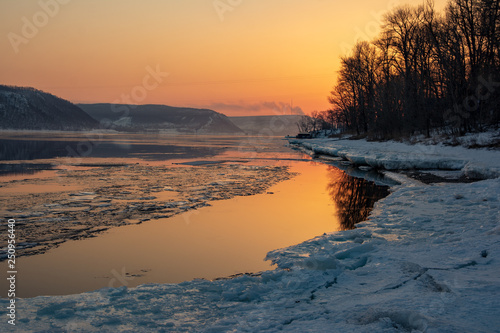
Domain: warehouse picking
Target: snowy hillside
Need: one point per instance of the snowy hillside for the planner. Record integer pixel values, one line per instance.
(160, 118)
(31, 109)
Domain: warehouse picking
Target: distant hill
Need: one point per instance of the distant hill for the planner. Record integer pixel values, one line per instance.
(32, 109)
(268, 125)
(161, 118)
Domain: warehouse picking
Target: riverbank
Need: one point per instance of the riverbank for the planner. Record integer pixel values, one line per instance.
(474, 164)
(426, 260)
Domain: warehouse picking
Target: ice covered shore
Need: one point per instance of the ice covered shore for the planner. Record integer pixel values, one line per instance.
(475, 163)
(427, 260)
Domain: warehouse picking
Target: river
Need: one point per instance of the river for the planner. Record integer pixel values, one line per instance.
(229, 201)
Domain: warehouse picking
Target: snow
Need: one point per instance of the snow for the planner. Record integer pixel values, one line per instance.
(390, 155)
(474, 140)
(480, 139)
(427, 260)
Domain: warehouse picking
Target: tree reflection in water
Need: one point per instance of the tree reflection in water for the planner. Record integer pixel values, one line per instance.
(354, 197)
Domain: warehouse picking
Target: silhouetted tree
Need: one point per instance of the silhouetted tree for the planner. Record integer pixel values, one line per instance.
(425, 70)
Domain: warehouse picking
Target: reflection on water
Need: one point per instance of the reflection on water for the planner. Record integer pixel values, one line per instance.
(233, 236)
(230, 237)
(23, 168)
(73, 147)
(31, 149)
(354, 197)
(40, 149)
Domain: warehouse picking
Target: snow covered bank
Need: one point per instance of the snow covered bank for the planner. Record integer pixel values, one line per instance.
(474, 163)
(427, 260)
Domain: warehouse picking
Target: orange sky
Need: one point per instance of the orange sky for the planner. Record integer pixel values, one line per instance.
(239, 57)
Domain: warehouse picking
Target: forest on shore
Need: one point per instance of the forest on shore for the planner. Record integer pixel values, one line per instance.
(425, 71)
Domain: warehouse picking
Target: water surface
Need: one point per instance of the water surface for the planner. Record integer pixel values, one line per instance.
(229, 237)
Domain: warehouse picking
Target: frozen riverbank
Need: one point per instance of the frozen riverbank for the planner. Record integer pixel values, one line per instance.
(426, 260)
(390, 155)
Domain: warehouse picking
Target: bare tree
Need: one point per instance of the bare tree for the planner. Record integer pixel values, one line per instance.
(422, 71)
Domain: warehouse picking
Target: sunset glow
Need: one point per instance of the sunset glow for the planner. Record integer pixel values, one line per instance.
(231, 56)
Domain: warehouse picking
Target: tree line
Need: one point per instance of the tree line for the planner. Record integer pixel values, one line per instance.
(424, 71)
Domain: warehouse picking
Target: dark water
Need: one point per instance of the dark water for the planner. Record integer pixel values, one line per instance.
(23, 168)
(103, 148)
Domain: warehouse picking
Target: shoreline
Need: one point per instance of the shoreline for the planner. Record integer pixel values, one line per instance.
(475, 164)
(425, 260)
